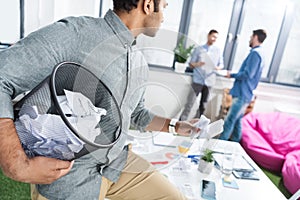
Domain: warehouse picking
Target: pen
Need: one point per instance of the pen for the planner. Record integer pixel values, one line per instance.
(193, 156)
(195, 160)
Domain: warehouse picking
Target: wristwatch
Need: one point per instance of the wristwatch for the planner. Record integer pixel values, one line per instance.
(172, 126)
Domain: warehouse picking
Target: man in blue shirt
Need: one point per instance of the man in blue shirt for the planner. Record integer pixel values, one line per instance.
(205, 59)
(246, 80)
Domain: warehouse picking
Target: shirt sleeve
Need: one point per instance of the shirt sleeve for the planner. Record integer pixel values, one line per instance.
(141, 116)
(28, 62)
(252, 65)
(6, 107)
(195, 55)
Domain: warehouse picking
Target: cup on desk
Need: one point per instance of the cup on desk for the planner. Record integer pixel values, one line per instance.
(228, 162)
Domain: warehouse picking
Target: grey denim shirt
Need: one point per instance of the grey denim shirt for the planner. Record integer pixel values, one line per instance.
(106, 47)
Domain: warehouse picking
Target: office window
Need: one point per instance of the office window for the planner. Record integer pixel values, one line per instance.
(289, 70)
(212, 14)
(260, 14)
(158, 50)
(9, 21)
(106, 5)
(39, 13)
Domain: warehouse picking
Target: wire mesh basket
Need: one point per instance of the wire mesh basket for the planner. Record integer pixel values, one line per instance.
(68, 115)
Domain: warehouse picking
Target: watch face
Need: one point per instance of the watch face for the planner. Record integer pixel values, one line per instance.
(172, 126)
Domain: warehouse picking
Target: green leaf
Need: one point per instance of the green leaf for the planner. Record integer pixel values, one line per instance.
(182, 53)
(208, 155)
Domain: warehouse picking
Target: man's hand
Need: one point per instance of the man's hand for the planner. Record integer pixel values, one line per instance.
(43, 170)
(16, 165)
(197, 64)
(228, 74)
(186, 128)
(218, 68)
(200, 64)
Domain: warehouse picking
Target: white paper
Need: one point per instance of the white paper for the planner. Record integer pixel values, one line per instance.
(209, 64)
(81, 106)
(164, 139)
(209, 130)
(202, 125)
(239, 162)
(88, 116)
(221, 72)
(215, 128)
(49, 134)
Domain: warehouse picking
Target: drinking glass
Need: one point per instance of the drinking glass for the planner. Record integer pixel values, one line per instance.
(227, 163)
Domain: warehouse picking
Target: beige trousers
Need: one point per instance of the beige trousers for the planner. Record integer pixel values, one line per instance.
(139, 180)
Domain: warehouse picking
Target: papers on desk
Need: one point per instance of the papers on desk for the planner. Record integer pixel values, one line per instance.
(251, 175)
(166, 139)
(240, 163)
(208, 131)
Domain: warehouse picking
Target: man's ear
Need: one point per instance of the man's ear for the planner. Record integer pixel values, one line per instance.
(148, 6)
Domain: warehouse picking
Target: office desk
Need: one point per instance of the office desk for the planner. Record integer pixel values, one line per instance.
(182, 172)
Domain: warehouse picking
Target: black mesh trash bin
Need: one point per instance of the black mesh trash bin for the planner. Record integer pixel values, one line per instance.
(69, 114)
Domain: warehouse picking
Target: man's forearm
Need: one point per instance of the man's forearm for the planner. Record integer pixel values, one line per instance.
(159, 124)
(192, 65)
(196, 64)
(184, 128)
(12, 156)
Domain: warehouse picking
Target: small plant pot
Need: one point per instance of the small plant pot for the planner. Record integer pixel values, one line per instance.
(180, 67)
(205, 167)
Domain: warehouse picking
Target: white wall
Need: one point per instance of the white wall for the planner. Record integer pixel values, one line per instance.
(39, 13)
(9, 21)
(168, 91)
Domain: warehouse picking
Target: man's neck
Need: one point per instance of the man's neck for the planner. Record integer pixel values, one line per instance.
(131, 20)
(254, 46)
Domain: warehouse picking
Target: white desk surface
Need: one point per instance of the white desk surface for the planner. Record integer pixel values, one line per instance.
(248, 189)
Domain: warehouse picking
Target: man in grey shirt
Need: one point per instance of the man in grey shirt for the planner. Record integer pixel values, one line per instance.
(107, 48)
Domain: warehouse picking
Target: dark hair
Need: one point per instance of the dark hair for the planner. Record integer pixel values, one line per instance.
(128, 5)
(212, 31)
(261, 35)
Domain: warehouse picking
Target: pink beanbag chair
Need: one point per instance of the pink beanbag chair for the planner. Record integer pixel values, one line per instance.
(291, 172)
(269, 137)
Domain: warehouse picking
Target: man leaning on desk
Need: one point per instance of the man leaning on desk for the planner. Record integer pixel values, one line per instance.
(31, 60)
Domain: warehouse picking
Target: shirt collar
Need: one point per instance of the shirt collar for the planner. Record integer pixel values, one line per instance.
(206, 47)
(255, 47)
(119, 28)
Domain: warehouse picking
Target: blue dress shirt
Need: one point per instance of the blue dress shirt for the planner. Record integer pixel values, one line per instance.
(246, 80)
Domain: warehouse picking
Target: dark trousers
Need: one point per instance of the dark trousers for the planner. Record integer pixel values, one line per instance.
(196, 89)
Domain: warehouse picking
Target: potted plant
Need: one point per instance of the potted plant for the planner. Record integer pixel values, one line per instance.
(206, 162)
(181, 54)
